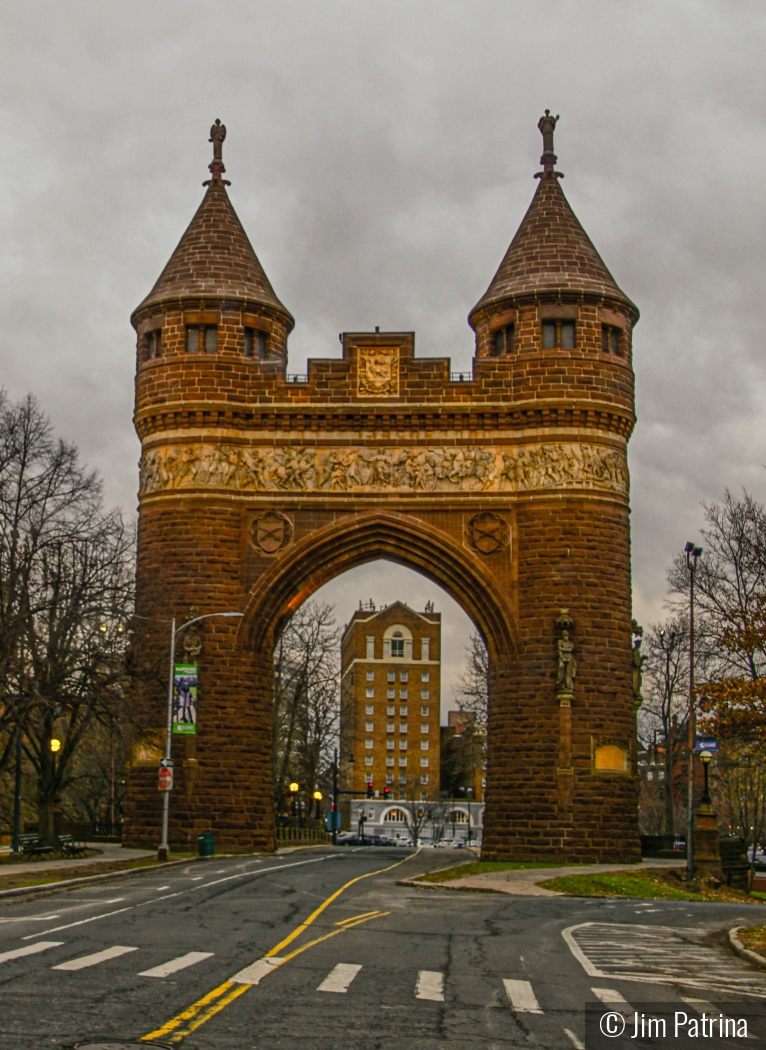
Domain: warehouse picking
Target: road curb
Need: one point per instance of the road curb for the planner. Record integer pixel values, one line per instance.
(740, 949)
(443, 886)
(21, 891)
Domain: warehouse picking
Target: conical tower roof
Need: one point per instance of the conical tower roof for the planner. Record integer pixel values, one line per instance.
(215, 257)
(551, 252)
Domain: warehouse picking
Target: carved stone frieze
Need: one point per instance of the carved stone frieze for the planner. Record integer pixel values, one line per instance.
(378, 371)
(407, 470)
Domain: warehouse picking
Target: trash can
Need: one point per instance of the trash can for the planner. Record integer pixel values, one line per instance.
(206, 844)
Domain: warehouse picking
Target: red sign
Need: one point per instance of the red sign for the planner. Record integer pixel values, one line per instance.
(166, 779)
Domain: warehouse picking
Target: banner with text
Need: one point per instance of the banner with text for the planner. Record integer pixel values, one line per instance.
(185, 699)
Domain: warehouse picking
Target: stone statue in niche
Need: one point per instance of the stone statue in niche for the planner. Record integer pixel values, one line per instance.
(638, 662)
(566, 670)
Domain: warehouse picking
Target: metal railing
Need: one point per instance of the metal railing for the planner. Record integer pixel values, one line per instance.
(296, 378)
(461, 377)
(302, 835)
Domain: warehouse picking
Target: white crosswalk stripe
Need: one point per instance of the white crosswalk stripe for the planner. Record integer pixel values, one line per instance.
(576, 1042)
(255, 972)
(174, 965)
(339, 979)
(702, 1006)
(430, 985)
(609, 995)
(521, 997)
(29, 949)
(93, 960)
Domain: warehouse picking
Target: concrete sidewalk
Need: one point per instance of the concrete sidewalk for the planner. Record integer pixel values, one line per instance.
(109, 852)
(523, 882)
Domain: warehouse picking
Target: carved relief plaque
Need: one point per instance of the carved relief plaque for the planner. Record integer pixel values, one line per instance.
(271, 532)
(403, 469)
(487, 533)
(378, 371)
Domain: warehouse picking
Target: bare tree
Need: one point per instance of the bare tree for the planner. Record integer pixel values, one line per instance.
(663, 714)
(306, 701)
(66, 583)
(465, 753)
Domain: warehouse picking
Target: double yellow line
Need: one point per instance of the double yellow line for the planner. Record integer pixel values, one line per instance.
(183, 1024)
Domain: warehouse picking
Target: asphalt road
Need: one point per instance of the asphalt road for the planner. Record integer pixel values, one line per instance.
(226, 954)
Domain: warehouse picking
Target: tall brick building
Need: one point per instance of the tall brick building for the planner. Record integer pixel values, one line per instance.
(390, 693)
(508, 488)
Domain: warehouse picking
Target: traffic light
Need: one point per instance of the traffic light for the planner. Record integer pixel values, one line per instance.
(370, 793)
(386, 794)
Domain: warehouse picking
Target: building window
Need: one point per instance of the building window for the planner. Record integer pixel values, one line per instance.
(425, 694)
(368, 744)
(397, 645)
(389, 778)
(424, 727)
(391, 710)
(391, 676)
(402, 694)
(153, 344)
(404, 676)
(368, 778)
(255, 343)
(610, 339)
(423, 745)
(503, 341)
(483, 782)
(403, 762)
(369, 709)
(390, 745)
(558, 334)
(202, 337)
(389, 760)
(403, 778)
(370, 647)
(390, 727)
(370, 691)
(403, 711)
(368, 760)
(423, 778)
(368, 727)
(425, 651)
(370, 676)
(391, 694)
(425, 676)
(402, 727)
(402, 745)
(424, 763)
(424, 711)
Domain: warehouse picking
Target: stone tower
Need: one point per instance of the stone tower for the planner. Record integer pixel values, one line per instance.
(509, 488)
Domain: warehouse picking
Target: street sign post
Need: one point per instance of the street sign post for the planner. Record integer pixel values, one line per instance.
(166, 774)
(703, 743)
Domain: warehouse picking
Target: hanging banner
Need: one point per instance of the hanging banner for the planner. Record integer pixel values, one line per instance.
(185, 699)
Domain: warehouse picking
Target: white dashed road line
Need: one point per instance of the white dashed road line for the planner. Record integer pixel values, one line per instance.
(29, 949)
(521, 997)
(174, 965)
(93, 960)
(430, 985)
(339, 979)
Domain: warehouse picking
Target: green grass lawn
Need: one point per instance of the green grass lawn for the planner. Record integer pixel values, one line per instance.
(658, 884)
(481, 867)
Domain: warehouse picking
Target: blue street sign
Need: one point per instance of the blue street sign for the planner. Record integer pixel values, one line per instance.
(705, 744)
(333, 820)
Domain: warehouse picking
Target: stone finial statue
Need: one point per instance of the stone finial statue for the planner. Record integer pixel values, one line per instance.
(567, 664)
(638, 661)
(217, 135)
(547, 126)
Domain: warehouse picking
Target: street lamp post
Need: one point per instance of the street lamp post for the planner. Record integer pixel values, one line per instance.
(705, 757)
(16, 847)
(162, 852)
(692, 553)
(294, 789)
(317, 796)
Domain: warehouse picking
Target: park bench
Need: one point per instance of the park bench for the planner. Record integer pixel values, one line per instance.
(33, 846)
(71, 847)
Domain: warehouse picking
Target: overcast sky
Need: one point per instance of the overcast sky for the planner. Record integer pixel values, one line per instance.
(381, 155)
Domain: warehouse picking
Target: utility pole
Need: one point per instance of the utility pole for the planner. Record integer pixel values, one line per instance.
(692, 553)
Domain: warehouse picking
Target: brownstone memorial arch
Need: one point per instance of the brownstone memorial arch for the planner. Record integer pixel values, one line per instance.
(508, 487)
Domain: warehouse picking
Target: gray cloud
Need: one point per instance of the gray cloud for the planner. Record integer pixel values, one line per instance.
(381, 156)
